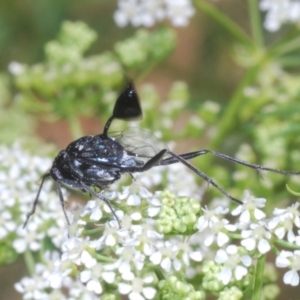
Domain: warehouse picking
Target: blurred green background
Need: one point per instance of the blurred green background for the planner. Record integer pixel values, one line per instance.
(206, 57)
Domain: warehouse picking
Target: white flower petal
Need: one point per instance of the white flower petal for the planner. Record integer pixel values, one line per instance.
(124, 288)
(85, 275)
(110, 240)
(109, 277)
(240, 272)
(282, 262)
(94, 286)
(96, 214)
(135, 296)
(225, 275)
(263, 246)
(156, 257)
(291, 277)
(136, 216)
(208, 240)
(222, 239)
(249, 243)
(166, 264)
(153, 211)
(196, 256)
(221, 256)
(246, 260)
(149, 292)
(259, 214)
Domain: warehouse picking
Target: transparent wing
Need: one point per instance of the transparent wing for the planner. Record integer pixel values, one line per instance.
(139, 141)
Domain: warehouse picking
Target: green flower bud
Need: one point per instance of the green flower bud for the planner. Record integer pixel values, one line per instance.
(232, 293)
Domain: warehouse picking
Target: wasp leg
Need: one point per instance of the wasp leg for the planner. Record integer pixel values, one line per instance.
(155, 161)
(87, 188)
(190, 155)
(29, 214)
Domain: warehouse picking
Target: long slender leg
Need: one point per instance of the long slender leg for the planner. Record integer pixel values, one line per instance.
(190, 155)
(87, 188)
(32, 211)
(79, 186)
(62, 201)
(154, 161)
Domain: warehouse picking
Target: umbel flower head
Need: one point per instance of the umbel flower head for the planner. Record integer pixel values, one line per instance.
(165, 243)
(148, 12)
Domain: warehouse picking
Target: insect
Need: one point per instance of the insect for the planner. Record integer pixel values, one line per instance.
(97, 161)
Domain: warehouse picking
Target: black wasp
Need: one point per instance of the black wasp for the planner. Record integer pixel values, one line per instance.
(97, 161)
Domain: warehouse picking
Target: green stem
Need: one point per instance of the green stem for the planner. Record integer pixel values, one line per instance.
(224, 21)
(286, 47)
(104, 258)
(93, 231)
(287, 245)
(29, 261)
(255, 21)
(230, 118)
(259, 276)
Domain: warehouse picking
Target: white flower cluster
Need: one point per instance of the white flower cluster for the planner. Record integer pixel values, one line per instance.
(148, 12)
(109, 252)
(20, 175)
(279, 12)
(256, 233)
(94, 255)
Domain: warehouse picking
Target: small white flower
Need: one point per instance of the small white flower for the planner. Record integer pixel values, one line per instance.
(280, 12)
(6, 224)
(179, 12)
(146, 238)
(216, 228)
(292, 261)
(258, 237)
(78, 251)
(250, 208)
(16, 68)
(148, 12)
(92, 277)
(31, 288)
(128, 12)
(234, 264)
(110, 235)
(92, 208)
(134, 194)
(165, 256)
(29, 238)
(137, 289)
(284, 222)
(151, 11)
(129, 258)
(187, 253)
